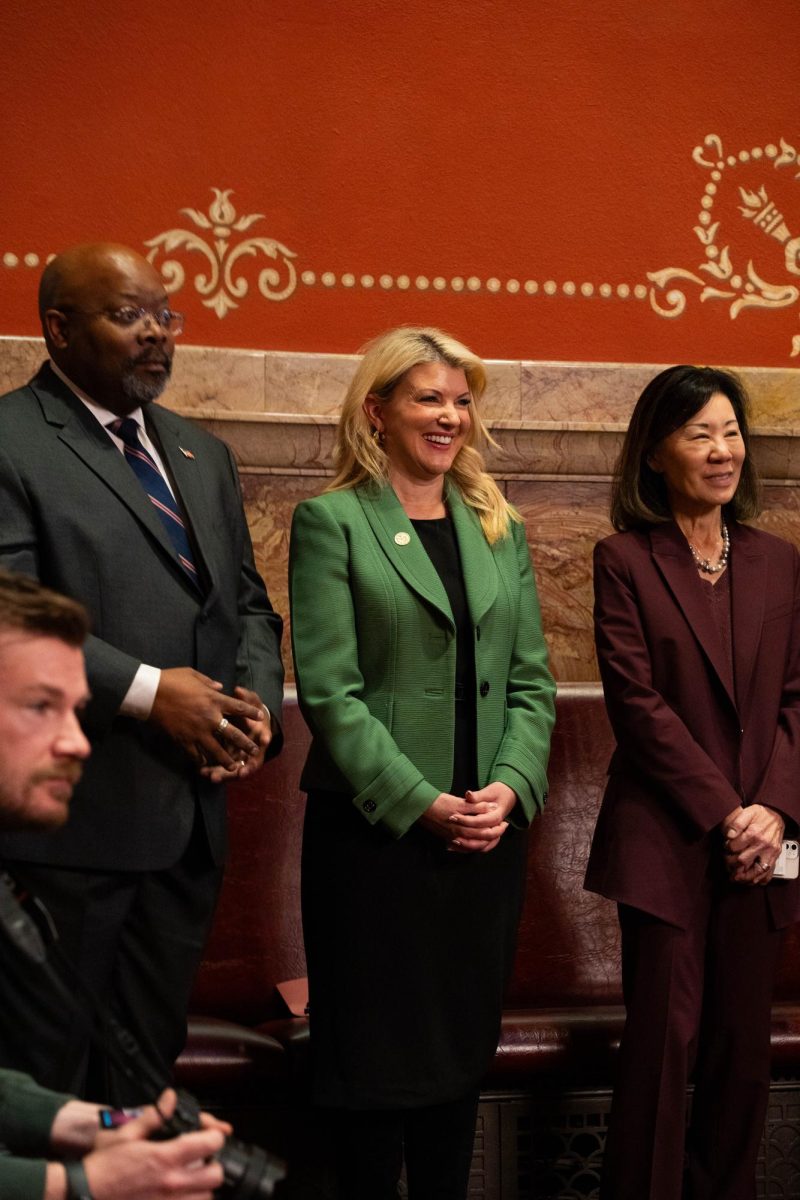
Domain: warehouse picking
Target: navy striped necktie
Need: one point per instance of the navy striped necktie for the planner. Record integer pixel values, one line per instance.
(155, 485)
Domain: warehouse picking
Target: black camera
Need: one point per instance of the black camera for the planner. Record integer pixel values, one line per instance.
(249, 1172)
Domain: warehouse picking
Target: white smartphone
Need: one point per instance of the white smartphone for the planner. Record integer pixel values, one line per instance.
(787, 865)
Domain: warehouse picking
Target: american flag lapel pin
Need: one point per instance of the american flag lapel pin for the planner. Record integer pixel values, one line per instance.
(186, 453)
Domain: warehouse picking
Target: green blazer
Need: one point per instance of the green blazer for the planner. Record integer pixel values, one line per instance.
(374, 645)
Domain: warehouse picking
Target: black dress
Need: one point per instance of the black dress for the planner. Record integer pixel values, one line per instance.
(408, 945)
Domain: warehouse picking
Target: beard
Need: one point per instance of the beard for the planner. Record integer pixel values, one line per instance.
(141, 389)
(24, 812)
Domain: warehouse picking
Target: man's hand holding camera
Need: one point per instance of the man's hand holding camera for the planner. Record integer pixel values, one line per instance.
(124, 1164)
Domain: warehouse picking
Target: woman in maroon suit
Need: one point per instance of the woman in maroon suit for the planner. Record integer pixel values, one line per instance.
(697, 621)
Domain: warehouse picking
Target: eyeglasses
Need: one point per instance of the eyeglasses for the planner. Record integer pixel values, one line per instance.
(129, 315)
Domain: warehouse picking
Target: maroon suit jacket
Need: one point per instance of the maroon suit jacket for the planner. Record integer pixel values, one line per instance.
(688, 750)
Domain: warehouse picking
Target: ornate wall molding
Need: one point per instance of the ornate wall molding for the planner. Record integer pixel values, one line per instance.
(551, 421)
(748, 227)
(221, 288)
(734, 272)
(301, 445)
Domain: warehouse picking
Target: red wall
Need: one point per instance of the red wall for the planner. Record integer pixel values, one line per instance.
(516, 140)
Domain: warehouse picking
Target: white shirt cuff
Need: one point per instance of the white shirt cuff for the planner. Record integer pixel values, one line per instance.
(140, 695)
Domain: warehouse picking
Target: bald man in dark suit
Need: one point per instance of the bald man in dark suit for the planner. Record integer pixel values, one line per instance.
(137, 513)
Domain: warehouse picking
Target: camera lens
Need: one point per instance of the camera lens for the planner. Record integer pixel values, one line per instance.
(249, 1172)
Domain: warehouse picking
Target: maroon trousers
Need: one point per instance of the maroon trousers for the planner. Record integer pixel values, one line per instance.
(698, 1002)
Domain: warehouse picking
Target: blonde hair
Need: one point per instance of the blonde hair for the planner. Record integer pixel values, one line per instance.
(358, 456)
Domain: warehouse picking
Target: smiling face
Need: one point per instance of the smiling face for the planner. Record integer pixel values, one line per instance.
(701, 462)
(424, 422)
(118, 365)
(42, 746)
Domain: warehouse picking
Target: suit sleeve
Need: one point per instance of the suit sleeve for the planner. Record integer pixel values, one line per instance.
(650, 734)
(258, 659)
(779, 788)
(110, 671)
(388, 789)
(27, 1112)
(521, 760)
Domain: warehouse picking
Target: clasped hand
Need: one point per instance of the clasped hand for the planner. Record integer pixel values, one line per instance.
(191, 708)
(753, 837)
(472, 823)
(124, 1164)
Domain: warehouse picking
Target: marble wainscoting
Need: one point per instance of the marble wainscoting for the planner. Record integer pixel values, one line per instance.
(558, 429)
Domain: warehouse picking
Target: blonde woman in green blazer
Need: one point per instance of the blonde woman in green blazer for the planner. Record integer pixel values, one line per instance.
(422, 673)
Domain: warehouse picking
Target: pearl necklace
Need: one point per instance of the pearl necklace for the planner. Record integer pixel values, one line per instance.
(704, 564)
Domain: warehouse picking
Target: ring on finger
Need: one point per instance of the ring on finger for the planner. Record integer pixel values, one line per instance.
(223, 725)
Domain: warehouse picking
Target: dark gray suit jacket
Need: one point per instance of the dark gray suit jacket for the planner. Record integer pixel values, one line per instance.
(73, 514)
